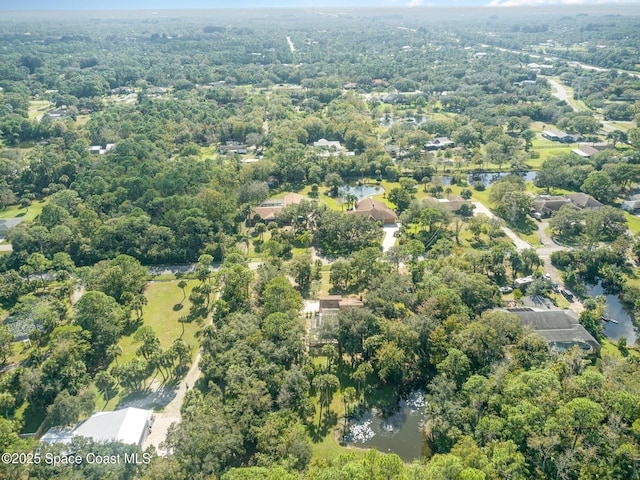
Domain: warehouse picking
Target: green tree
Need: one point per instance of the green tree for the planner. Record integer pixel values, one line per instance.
(102, 317)
(66, 409)
(6, 343)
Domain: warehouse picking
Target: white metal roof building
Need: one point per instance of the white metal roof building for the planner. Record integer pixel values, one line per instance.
(129, 425)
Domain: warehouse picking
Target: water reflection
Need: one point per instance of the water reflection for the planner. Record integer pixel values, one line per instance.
(362, 191)
(399, 433)
(615, 310)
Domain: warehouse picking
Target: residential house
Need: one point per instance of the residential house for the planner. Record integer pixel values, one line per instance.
(7, 224)
(268, 210)
(395, 151)
(545, 205)
(325, 144)
(438, 143)
(235, 147)
(585, 151)
(560, 328)
(584, 201)
(375, 210)
(454, 202)
(58, 113)
(98, 150)
(335, 303)
(632, 204)
(560, 136)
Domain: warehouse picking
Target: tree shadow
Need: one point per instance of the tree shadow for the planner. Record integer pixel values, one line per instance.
(177, 307)
(319, 432)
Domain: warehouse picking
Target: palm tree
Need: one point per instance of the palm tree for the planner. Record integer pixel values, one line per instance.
(182, 284)
(261, 228)
(114, 351)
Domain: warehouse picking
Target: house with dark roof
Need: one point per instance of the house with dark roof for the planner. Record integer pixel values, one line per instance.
(584, 201)
(335, 303)
(560, 328)
(376, 210)
(545, 205)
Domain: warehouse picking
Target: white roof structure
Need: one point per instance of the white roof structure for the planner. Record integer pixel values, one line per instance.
(128, 425)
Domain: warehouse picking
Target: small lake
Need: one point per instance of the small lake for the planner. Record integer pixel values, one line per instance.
(399, 433)
(362, 191)
(615, 310)
(489, 178)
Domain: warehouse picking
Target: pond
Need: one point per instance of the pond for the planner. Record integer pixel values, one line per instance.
(615, 310)
(361, 191)
(489, 178)
(399, 433)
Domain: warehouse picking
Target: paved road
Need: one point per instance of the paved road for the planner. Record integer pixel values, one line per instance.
(518, 242)
(561, 93)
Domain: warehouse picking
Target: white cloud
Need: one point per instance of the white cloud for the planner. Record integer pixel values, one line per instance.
(414, 3)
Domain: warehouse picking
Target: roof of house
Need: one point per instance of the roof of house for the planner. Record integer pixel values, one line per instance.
(127, 426)
(375, 209)
(560, 328)
(7, 224)
(454, 202)
(583, 200)
(269, 208)
(585, 151)
(58, 435)
(549, 204)
(324, 143)
(631, 205)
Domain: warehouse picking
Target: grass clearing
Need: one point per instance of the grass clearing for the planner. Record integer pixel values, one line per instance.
(26, 213)
(161, 313)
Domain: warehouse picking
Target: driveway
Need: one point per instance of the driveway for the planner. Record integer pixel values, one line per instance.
(389, 236)
(517, 241)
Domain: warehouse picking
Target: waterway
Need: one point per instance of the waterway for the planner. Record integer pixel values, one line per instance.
(362, 191)
(615, 310)
(399, 433)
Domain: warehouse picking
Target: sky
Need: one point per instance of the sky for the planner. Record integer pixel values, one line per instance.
(182, 4)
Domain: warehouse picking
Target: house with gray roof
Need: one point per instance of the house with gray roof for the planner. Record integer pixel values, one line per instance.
(584, 201)
(560, 328)
(7, 224)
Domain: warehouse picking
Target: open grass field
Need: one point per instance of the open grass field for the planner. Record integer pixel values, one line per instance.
(161, 313)
(26, 213)
(37, 108)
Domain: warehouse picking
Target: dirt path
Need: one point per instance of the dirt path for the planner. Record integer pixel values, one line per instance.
(291, 46)
(171, 412)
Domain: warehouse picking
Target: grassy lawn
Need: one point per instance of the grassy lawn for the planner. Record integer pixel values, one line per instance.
(37, 107)
(161, 313)
(26, 213)
(633, 222)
